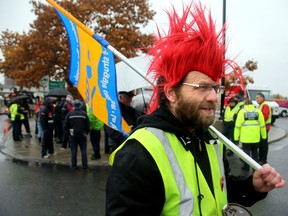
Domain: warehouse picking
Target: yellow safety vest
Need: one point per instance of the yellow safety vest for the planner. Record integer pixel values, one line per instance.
(250, 125)
(14, 111)
(269, 120)
(229, 113)
(178, 171)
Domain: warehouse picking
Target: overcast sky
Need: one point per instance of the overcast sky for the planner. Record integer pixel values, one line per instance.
(257, 30)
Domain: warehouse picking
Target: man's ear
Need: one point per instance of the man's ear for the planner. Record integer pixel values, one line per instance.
(170, 94)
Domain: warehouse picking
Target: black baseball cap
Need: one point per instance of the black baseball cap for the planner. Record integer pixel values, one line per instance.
(130, 93)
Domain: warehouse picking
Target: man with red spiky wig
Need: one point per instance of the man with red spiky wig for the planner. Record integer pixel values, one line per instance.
(171, 164)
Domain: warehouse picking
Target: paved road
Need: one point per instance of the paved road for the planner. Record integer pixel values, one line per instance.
(37, 187)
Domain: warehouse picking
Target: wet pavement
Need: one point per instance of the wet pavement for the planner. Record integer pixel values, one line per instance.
(30, 150)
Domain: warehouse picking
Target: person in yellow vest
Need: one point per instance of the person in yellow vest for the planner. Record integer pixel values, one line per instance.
(249, 129)
(17, 116)
(230, 115)
(171, 164)
(267, 113)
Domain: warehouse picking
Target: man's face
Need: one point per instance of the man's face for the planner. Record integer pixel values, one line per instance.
(195, 107)
(259, 99)
(125, 99)
(232, 104)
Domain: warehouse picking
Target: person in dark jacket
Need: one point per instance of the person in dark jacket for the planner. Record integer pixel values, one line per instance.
(130, 116)
(25, 121)
(77, 126)
(171, 164)
(66, 108)
(58, 119)
(47, 125)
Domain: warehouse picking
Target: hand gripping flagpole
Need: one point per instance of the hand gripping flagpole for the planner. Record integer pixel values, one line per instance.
(106, 44)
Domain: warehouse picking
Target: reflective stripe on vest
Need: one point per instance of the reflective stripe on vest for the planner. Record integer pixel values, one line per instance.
(248, 123)
(186, 197)
(177, 168)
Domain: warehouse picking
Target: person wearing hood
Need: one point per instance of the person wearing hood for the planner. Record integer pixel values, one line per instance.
(250, 129)
(171, 164)
(77, 126)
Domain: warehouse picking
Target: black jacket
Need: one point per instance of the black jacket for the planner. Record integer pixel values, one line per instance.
(47, 118)
(135, 186)
(116, 137)
(78, 122)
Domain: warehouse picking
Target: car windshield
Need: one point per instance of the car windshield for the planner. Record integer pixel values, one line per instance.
(266, 93)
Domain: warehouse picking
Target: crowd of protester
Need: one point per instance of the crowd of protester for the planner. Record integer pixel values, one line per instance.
(56, 118)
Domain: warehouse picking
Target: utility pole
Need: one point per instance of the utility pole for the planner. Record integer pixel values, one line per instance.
(223, 79)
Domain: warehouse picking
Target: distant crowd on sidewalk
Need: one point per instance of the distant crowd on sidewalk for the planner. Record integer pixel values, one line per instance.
(69, 122)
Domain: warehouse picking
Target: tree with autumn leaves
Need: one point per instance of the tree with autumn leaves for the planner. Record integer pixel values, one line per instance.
(44, 49)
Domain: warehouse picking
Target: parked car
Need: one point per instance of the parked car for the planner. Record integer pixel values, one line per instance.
(283, 106)
(283, 111)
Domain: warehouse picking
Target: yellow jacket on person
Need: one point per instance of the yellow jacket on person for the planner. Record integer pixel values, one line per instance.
(230, 113)
(250, 125)
(181, 175)
(14, 111)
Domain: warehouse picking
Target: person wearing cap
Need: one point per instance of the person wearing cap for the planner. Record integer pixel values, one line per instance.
(47, 125)
(77, 127)
(66, 108)
(130, 116)
(171, 164)
(230, 115)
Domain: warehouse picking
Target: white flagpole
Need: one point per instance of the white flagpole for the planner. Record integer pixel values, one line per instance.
(235, 149)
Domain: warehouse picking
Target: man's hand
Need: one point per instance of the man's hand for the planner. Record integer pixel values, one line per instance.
(267, 178)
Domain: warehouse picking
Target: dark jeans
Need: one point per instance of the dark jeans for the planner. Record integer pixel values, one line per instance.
(250, 149)
(64, 136)
(106, 142)
(47, 142)
(95, 137)
(228, 132)
(26, 124)
(58, 129)
(82, 142)
(263, 150)
(16, 125)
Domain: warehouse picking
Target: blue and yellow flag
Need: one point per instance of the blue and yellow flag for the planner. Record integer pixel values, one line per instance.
(92, 71)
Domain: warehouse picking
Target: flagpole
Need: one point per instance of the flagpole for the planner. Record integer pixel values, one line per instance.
(235, 148)
(106, 44)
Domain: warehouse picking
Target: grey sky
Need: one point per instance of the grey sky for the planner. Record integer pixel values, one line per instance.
(257, 29)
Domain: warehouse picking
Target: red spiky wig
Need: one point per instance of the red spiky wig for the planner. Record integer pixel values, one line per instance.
(190, 45)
